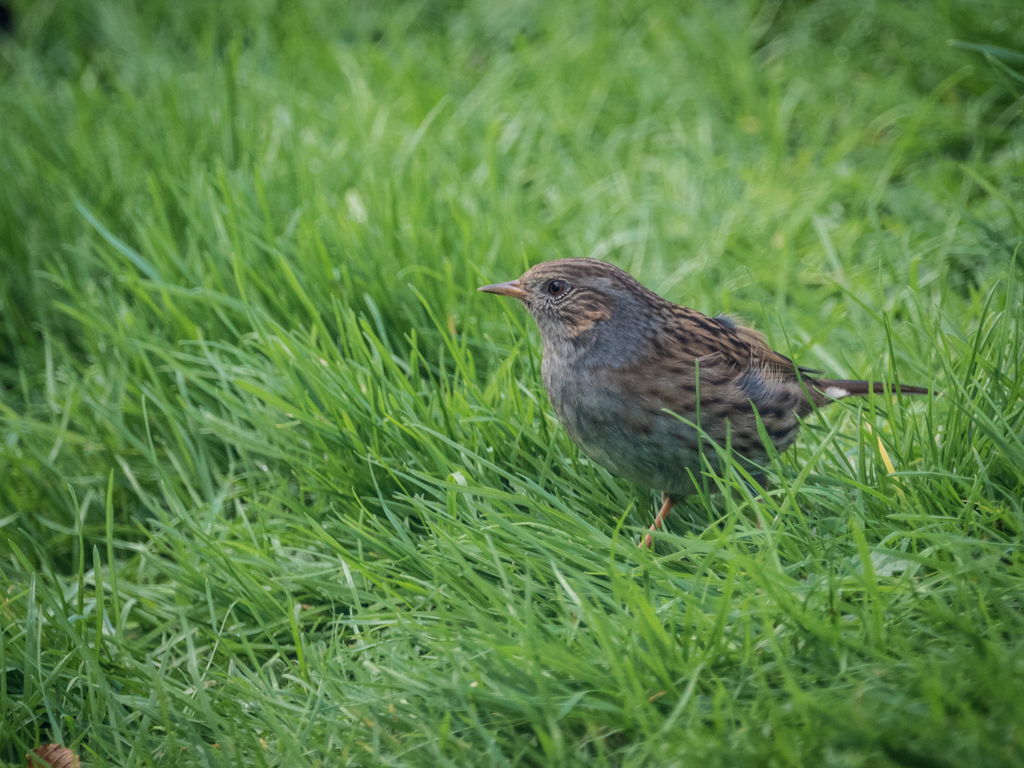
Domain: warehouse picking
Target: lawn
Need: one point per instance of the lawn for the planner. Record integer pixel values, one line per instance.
(279, 488)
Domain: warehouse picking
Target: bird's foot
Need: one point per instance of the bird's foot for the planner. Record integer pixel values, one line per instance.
(666, 507)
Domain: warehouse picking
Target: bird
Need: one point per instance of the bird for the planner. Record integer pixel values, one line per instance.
(641, 384)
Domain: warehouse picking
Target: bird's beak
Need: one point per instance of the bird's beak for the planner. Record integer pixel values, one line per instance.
(512, 288)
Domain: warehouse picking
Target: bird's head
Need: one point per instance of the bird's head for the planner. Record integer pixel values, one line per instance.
(572, 300)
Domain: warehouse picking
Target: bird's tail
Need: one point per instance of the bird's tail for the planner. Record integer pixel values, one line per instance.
(838, 388)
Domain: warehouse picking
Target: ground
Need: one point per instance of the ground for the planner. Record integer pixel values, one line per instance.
(278, 487)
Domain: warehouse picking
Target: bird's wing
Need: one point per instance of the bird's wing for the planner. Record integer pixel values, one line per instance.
(720, 344)
(725, 357)
(776, 362)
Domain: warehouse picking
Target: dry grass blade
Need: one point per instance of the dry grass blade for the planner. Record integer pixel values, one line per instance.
(52, 756)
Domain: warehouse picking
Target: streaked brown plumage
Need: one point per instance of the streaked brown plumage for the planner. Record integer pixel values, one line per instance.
(623, 369)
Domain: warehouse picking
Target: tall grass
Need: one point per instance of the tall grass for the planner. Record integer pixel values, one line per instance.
(278, 487)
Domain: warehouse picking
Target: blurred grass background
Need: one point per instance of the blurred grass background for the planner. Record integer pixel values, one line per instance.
(277, 487)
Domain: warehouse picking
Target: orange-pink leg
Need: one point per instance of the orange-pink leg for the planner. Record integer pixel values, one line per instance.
(666, 507)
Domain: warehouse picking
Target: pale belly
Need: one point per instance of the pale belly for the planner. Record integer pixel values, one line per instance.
(647, 447)
(651, 466)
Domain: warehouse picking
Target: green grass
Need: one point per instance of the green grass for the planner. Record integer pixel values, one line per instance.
(278, 487)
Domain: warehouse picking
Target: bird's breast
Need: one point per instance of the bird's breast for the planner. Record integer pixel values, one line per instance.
(622, 426)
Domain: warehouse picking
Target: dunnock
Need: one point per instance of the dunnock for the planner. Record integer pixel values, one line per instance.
(629, 374)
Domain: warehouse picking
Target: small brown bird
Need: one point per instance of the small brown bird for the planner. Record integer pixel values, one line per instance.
(629, 374)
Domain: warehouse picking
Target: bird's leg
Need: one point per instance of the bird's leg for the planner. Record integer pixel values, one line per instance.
(666, 506)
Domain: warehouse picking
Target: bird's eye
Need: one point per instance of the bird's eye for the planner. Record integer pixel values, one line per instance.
(557, 287)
